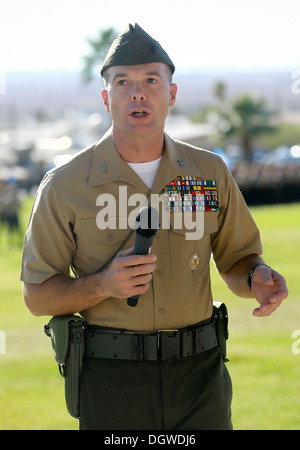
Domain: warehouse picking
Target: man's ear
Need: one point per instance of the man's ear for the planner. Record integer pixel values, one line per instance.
(104, 95)
(173, 92)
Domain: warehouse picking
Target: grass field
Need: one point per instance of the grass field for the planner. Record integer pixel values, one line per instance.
(265, 372)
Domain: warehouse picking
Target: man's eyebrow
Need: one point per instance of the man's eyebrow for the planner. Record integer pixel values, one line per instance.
(153, 74)
(125, 75)
(119, 75)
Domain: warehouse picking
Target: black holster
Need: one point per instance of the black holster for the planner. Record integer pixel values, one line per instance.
(220, 315)
(67, 339)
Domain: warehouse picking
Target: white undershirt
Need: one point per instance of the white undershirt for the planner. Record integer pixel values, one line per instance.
(146, 171)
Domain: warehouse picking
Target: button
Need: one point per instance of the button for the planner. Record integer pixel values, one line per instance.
(110, 237)
(194, 261)
(162, 311)
(159, 273)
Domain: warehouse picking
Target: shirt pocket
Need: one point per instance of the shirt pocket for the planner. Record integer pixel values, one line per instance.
(191, 255)
(95, 247)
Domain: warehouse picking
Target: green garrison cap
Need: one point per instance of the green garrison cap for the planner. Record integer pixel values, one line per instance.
(134, 46)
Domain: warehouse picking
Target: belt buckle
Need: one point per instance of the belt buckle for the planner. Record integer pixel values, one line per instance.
(168, 344)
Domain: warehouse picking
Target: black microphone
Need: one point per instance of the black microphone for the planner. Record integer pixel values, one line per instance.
(147, 223)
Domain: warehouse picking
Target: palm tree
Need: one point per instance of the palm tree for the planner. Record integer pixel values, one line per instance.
(219, 90)
(248, 118)
(99, 48)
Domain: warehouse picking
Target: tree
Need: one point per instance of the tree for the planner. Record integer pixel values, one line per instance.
(249, 118)
(99, 48)
(245, 117)
(219, 90)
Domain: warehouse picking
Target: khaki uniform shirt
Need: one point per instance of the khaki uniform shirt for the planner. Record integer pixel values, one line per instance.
(63, 232)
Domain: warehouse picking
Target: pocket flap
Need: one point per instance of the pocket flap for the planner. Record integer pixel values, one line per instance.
(207, 224)
(108, 236)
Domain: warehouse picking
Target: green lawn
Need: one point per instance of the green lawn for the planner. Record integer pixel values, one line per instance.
(265, 373)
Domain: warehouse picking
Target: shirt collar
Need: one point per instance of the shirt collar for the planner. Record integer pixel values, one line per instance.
(108, 166)
(176, 162)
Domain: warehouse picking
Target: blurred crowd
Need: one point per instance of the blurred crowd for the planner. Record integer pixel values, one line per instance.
(263, 184)
(9, 205)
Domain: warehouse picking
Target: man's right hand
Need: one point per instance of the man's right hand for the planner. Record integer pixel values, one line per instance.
(127, 274)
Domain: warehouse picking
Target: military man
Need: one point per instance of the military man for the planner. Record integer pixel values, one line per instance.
(161, 367)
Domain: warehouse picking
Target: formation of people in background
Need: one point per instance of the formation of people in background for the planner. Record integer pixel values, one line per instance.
(263, 184)
(10, 206)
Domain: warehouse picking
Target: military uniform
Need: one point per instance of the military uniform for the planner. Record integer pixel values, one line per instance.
(135, 375)
(63, 232)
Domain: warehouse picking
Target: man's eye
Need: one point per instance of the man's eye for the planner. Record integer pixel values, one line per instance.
(151, 80)
(121, 82)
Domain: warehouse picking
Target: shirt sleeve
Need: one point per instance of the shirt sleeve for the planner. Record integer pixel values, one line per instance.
(237, 235)
(49, 243)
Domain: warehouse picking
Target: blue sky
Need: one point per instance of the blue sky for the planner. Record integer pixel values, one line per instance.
(241, 35)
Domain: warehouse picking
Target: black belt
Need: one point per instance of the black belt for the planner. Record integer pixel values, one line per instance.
(158, 346)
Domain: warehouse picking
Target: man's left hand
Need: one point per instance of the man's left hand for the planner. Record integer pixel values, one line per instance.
(269, 289)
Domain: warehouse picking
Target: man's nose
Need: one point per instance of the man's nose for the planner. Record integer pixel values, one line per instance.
(138, 93)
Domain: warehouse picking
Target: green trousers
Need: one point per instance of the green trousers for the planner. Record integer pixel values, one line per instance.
(188, 394)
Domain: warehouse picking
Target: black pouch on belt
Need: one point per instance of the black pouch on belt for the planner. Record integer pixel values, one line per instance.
(67, 339)
(221, 320)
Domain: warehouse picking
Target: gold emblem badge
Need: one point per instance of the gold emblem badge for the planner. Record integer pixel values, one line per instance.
(194, 261)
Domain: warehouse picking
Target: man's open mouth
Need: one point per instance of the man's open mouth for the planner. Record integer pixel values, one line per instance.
(139, 113)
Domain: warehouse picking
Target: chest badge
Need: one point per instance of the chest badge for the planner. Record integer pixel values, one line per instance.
(194, 261)
(189, 193)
